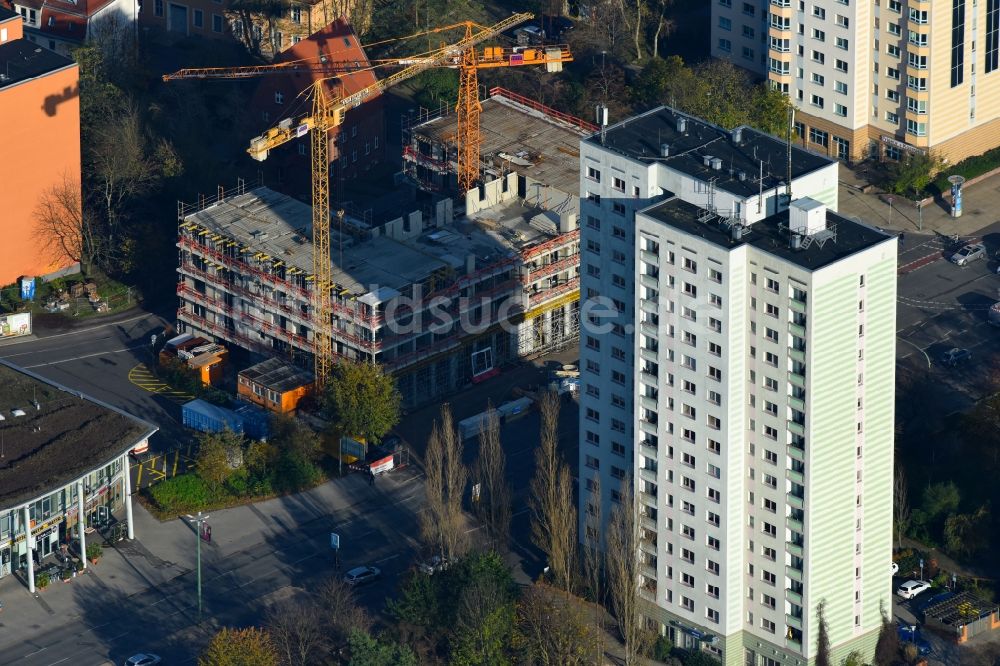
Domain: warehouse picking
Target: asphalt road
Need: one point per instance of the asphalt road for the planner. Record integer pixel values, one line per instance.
(96, 361)
(942, 306)
(237, 589)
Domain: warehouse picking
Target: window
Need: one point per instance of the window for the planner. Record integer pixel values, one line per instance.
(916, 83)
(725, 45)
(840, 110)
(816, 101)
(216, 23)
(819, 35)
(915, 128)
(593, 174)
(748, 32)
(725, 23)
(843, 21)
(957, 41)
(819, 57)
(992, 34)
(279, 98)
(892, 117)
(892, 50)
(158, 9)
(819, 12)
(818, 79)
(618, 183)
(198, 18)
(818, 137)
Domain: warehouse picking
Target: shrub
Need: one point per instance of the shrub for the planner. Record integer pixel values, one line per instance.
(294, 472)
(970, 167)
(94, 551)
(662, 648)
(182, 494)
(238, 483)
(42, 580)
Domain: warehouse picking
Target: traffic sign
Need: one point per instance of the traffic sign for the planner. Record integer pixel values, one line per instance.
(334, 540)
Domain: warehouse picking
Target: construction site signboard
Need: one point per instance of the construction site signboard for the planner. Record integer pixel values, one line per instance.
(15, 325)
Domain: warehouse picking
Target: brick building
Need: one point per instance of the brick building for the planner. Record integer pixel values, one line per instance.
(63, 25)
(355, 147)
(39, 148)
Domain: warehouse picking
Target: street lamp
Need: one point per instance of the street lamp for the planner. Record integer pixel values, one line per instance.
(921, 568)
(199, 521)
(890, 210)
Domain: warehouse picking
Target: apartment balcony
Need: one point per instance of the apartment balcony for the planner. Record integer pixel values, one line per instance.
(649, 305)
(797, 380)
(793, 621)
(648, 355)
(647, 474)
(793, 597)
(648, 593)
(648, 403)
(647, 546)
(646, 449)
(796, 403)
(793, 573)
(647, 499)
(793, 548)
(647, 570)
(797, 355)
(649, 281)
(646, 521)
(647, 427)
(796, 329)
(795, 500)
(792, 475)
(797, 306)
(793, 524)
(649, 257)
(797, 428)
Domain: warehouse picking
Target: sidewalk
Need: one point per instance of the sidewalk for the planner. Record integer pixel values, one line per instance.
(134, 576)
(979, 203)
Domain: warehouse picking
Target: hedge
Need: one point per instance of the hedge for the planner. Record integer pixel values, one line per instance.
(970, 167)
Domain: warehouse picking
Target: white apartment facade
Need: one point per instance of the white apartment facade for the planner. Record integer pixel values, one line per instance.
(875, 77)
(726, 392)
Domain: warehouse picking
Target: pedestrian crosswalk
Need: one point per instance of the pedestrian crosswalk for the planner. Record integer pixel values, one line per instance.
(143, 377)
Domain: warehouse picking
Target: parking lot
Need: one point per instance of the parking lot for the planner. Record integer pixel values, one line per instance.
(942, 306)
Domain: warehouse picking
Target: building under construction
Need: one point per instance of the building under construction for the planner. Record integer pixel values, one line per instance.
(537, 145)
(439, 302)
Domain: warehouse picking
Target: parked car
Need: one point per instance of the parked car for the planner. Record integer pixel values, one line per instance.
(912, 588)
(433, 565)
(911, 634)
(955, 356)
(143, 659)
(362, 575)
(969, 253)
(895, 568)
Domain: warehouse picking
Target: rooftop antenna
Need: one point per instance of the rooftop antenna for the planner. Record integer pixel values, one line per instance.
(788, 181)
(760, 187)
(601, 112)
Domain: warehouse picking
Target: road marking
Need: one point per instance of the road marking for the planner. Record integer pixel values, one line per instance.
(386, 559)
(82, 330)
(59, 662)
(919, 350)
(520, 512)
(138, 478)
(77, 358)
(177, 455)
(141, 376)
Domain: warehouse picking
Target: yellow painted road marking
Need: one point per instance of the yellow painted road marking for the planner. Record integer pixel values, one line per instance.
(142, 377)
(138, 477)
(159, 476)
(177, 455)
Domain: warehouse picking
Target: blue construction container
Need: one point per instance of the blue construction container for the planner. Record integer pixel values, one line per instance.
(256, 422)
(206, 417)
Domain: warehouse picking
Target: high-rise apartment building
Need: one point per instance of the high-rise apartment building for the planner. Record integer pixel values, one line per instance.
(860, 71)
(744, 385)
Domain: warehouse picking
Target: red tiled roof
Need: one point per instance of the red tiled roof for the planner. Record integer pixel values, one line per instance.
(337, 43)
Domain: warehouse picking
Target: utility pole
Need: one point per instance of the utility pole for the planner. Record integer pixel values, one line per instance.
(890, 210)
(920, 215)
(198, 521)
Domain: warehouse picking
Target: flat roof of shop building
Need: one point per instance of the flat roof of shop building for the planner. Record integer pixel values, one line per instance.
(61, 436)
(548, 146)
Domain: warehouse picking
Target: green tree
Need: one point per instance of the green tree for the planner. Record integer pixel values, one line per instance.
(362, 400)
(219, 454)
(911, 175)
(368, 651)
(855, 658)
(823, 637)
(240, 647)
(665, 81)
(769, 110)
(967, 534)
(723, 97)
(941, 499)
(484, 627)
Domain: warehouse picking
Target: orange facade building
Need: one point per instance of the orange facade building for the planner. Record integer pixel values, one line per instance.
(39, 151)
(275, 385)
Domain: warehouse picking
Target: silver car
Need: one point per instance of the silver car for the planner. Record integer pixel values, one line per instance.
(969, 253)
(361, 575)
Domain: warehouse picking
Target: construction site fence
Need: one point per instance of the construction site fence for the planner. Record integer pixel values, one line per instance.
(204, 201)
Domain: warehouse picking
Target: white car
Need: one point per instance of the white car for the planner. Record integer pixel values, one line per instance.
(433, 565)
(912, 588)
(361, 575)
(895, 568)
(143, 659)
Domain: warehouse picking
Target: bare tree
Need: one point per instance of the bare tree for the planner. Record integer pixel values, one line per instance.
(661, 24)
(339, 607)
(593, 555)
(553, 522)
(64, 230)
(494, 495)
(445, 478)
(455, 478)
(297, 631)
(554, 629)
(900, 503)
(622, 557)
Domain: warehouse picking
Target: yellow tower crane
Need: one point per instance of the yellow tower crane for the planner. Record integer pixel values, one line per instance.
(328, 113)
